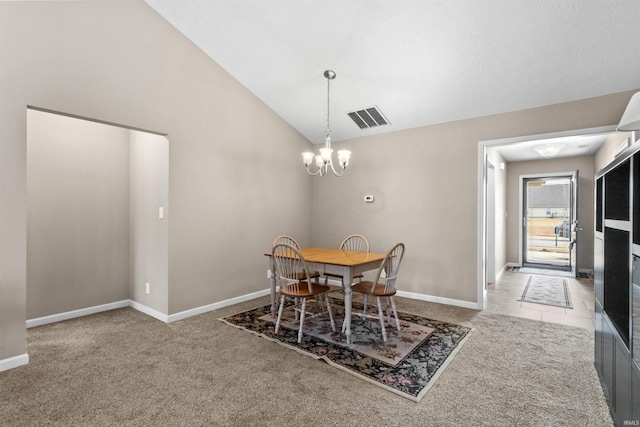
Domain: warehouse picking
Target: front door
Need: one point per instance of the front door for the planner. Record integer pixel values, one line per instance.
(549, 206)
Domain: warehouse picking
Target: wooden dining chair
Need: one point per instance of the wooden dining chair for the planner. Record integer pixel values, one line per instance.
(383, 287)
(355, 243)
(295, 283)
(283, 238)
(288, 240)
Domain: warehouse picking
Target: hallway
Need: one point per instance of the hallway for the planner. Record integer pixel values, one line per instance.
(502, 297)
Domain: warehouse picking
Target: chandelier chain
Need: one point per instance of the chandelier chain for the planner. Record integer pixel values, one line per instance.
(328, 107)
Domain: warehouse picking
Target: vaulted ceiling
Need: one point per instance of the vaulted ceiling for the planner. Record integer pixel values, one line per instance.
(420, 62)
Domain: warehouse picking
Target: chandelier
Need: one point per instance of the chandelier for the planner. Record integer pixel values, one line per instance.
(323, 160)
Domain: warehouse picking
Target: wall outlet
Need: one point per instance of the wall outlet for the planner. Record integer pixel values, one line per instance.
(147, 288)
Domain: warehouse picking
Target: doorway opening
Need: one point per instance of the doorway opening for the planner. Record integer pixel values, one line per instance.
(498, 252)
(97, 216)
(548, 213)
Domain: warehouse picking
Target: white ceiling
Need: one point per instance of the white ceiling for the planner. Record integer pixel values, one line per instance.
(420, 62)
(571, 146)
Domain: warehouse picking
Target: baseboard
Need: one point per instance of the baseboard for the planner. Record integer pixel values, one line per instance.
(39, 321)
(210, 307)
(586, 270)
(424, 297)
(144, 309)
(149, 311)
(216, 305)
(14, 362)
(501, 272)
(440, 300)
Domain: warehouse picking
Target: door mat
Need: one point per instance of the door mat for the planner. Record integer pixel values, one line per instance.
(408, 364)
(548, 291)
(545, 272)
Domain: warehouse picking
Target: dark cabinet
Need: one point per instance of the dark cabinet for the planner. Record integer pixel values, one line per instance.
(617, 285)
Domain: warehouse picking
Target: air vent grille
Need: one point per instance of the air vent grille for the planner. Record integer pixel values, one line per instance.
(368, 118)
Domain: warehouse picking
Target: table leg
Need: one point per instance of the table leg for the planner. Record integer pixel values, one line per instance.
(272, 286)
(347, 279)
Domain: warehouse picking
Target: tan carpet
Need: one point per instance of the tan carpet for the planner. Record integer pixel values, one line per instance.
(125, 368)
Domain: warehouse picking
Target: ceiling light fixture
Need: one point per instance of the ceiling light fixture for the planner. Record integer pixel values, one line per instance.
(323, 161)
(630, 120)
(548, 150)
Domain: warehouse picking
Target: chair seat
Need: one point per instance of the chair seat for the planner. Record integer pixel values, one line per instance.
(378, 291)
(303, 290)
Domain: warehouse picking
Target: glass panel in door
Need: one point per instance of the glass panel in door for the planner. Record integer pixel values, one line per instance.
(547, 221)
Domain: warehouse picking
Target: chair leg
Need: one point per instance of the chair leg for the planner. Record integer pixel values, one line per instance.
(333, 324)
(395, 313)
(344, 321)
(381, 316)
(388, 309)
(280, 313)
(304, 305)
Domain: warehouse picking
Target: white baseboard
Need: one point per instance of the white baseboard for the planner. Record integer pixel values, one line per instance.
(424, 297)
(144, 309)
(149, 311)
(76, 313)
(216, 305)
(14, 362)
(439, 300)
(209, 307)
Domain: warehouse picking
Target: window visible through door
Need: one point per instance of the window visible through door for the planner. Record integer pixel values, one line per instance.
(547, 221)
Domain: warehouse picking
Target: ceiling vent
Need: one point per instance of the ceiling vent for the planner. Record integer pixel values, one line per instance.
(368, 118)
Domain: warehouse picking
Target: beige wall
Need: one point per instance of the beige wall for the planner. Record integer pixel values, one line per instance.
(605, 154)
(122, 63)
(148, 233)
(425, 182)
(78, 214)
(93, 232)
(585, 166)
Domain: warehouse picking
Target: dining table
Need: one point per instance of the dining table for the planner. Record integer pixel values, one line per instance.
(335, 261)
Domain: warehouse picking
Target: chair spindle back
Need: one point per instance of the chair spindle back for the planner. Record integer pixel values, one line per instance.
(287, 240)
(390, 266)
(291, 268)
(356, 243)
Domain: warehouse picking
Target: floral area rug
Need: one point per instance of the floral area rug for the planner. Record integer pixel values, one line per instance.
(548, 291)
(407, 364)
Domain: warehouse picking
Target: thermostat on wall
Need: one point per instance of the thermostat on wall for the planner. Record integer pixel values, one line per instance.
(368, 198)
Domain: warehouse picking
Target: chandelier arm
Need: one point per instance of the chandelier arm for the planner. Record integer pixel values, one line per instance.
(336, 173)
(318, 172)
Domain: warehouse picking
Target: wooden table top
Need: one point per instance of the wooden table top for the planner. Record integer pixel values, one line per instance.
(339, 257)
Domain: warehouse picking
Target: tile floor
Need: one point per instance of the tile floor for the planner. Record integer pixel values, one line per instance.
(502, 297)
